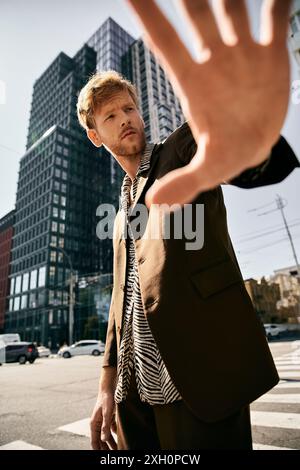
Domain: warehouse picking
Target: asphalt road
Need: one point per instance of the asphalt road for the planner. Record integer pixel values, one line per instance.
(37, 400)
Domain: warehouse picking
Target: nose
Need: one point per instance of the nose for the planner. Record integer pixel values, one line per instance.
(125, 119)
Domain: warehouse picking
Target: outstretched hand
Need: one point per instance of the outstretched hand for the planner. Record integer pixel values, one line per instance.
(234, 98)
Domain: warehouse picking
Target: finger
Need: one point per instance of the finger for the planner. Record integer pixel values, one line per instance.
(104, 446)
(112, 443)
(113, 425)
(274, 22)
(162, 38)
(95, 435)
(233, 21)
(203, 22)
(95, 440)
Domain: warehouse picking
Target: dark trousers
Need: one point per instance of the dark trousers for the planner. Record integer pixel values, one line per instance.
(173, 427)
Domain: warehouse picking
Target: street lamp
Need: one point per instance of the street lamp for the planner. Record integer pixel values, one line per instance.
(71, 295)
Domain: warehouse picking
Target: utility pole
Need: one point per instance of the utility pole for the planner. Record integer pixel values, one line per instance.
(281, 206)
(71, 295)
(71, 307)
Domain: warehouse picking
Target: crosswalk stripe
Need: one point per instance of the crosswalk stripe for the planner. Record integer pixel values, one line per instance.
(266, 447)
(275, 419)
(280, 398)
(287, 362)
(287, 374)
(20, 445)
(81, 427)
(292, 384)
(290, 367)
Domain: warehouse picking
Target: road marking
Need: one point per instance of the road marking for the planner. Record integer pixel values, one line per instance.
(280, 398)
(81, 427)
(275, 420)
(290, 367)
(266, 447)
(20, 445)
(287, 361)
(291, 384)
(287, 374)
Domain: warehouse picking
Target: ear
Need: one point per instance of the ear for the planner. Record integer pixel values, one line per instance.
(94, 137)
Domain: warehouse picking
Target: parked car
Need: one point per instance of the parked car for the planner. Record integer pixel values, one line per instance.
(84, 347)
(43, 351)
(273, 330)
(21, 352)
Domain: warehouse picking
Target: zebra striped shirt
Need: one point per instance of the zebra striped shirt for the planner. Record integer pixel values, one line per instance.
(138, 350)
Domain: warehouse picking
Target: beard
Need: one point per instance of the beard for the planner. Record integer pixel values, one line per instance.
(129, 149)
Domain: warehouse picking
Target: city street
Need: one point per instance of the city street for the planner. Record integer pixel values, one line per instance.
(47, 405)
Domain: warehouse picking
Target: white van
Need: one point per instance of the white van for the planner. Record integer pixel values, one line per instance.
(10, 338)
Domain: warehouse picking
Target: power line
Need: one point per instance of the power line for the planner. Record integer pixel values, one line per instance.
(266, 233)
(281, 204)
(266, 246)
(271, 227)
(10, 149)
(260, 207)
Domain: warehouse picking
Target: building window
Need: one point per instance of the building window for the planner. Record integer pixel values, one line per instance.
(51, 297)
(33, 279)
(11, 304)
(53, 256)
(42, 276)
(25, 282)
(52, 273)
(63, 201)
(12, 286)
(32, 300)
(18, 284)
(56, 198)
(55, 212)
(53, 241)
(17, 304)
(24, 301)
(54, 227)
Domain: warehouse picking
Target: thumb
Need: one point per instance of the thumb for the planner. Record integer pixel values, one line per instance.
(176, 187)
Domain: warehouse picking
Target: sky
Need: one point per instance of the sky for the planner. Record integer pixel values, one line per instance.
(34, 32)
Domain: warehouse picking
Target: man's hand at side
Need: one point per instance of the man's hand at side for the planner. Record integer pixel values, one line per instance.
(235, 97)
(103, 419)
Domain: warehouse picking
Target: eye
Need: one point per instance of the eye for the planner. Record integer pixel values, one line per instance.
(109, 117)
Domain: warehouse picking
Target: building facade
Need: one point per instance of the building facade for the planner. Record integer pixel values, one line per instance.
(264, 296)
(6, 235)
(159, 105)
(62, 181)
(295, 30)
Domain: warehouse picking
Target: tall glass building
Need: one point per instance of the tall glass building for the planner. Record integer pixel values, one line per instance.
(62, 181)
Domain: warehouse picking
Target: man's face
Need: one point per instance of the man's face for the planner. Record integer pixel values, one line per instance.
(115, 118)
